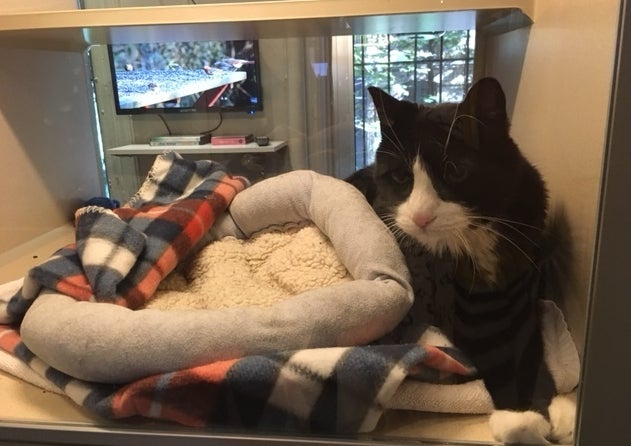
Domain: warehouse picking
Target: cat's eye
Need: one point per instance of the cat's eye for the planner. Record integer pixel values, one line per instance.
(400, 176)
(455, 173)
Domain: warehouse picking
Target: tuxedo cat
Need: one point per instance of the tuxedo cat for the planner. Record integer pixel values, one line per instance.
(469, 212)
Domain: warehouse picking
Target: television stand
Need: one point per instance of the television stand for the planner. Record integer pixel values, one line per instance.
(146, 149)
(131, 163)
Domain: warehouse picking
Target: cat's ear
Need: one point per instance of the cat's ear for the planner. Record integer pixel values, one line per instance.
(385, 105)
(487, 102)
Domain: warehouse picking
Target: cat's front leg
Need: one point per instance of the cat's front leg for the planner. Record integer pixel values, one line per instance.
(530, 427)
(563, 418)
(512, 427)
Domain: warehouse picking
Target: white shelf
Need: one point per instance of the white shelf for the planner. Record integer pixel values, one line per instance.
(146, 149)
(77, 29)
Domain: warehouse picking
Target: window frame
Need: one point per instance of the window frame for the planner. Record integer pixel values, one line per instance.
(364, 117)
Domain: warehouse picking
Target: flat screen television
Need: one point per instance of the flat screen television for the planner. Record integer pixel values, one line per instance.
(180, 77)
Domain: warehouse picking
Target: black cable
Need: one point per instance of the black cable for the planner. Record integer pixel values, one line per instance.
(165, 124)
(218, 125)
(208, 131)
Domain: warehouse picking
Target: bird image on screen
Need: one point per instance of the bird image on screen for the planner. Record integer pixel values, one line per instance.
(194, 76)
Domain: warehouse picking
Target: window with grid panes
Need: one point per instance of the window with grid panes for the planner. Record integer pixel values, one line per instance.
(427, 68)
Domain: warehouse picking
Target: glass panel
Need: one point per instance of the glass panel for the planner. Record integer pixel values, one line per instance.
(465, 226)
(427, 68)
(375, 48)
(455, 45)
(429, 46)
(402, 48)
(428, 90)
(402, 81)
(454, 80)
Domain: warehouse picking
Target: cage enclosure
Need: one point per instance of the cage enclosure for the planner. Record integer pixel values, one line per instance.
(324, 339)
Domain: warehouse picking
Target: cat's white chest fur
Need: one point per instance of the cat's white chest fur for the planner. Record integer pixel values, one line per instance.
(443, 226)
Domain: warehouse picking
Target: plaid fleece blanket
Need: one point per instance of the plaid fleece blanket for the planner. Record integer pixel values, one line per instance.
(121, 256)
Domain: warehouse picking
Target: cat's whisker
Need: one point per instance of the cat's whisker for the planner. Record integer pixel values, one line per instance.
(475, 118)
(509, 224)
(466, 244)
(391, 224)
(398, 141)
(515, 245)
(506, 220)
(386, 217)
(453, 123)
(400, 151)
(396, 144)
(405, 240)
(451, 128)
(471, 257)
(397, 157)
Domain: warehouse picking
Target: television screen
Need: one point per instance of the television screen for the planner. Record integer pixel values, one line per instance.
(186, 76)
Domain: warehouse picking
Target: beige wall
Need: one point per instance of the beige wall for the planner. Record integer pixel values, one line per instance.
(560, 113)
(40, 130)
(49, 157)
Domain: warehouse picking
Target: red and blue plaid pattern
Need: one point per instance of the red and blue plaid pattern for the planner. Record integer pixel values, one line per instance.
(121, 256)
(326, 390)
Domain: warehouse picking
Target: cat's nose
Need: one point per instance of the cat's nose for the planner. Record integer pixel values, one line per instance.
(423, 220)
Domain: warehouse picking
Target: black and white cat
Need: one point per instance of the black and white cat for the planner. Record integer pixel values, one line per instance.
(470, 214)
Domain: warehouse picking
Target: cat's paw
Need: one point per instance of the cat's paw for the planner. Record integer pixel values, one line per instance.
(519, 427)
(562, 411)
